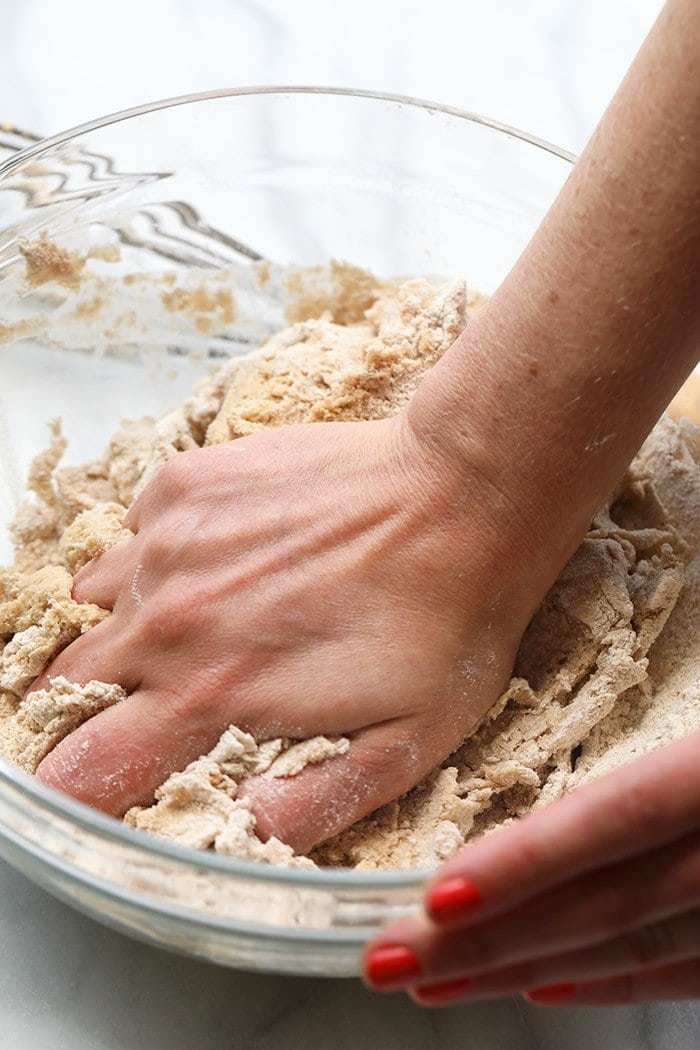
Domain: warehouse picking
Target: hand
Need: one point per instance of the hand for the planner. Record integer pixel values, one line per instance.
(593, 900)
(312, 579)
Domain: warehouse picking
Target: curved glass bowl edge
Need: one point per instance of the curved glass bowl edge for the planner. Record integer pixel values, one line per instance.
(44, 145)
(145, 905)
(100, 823)
(115, 831)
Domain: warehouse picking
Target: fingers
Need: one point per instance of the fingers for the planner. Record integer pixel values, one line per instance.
(99, 582)
(659, 944)
(677, 981)
(118, 758)
(620, 815)
(103, 654)
(590, 910)
(324, 799)
(501, 882)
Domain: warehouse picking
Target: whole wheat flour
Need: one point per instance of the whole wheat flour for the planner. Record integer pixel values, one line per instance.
(608, 669)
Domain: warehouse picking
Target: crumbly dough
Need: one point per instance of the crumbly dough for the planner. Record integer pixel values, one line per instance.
(45, 261)
(211, 308)
(608, 669)
(318, 370)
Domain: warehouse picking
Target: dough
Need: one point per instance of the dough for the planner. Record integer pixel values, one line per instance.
(608, 669)
(45, 261)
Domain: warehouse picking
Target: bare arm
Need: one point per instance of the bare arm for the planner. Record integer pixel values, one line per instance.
(597, 325)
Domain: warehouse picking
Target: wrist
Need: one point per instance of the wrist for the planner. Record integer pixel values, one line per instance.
(485, 534)
(506, 422)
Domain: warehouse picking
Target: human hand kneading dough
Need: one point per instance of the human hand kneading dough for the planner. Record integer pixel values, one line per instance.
(374, 580)
(289, 583)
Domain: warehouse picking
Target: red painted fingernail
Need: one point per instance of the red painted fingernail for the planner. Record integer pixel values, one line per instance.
(392, 966)
(551, 994)
(442, 993)
(452, 900)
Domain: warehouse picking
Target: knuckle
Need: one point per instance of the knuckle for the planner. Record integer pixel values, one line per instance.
(76, 661)
(85, 588)
(169, 614)
(176, 473)
(104, 570)
(86, 572)
(196, 701)
(180, 706)
(398, 759)
(392, 760)
(616, 910)
(651, 944)
(166, 485)
(164, 620)
(157, 546)
(171, 540)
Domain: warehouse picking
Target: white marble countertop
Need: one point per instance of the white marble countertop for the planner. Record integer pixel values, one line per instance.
(548, 66)
(67, 983)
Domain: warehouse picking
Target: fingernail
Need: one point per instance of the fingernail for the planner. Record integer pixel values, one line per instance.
(452, 900)
(442, 993)
(551, 994)
(392, 966)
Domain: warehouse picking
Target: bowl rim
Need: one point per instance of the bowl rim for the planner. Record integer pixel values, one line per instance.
(108, 827)
(46, 144)
(113, 830)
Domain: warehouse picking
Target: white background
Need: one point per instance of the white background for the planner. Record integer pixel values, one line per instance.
(547, 66)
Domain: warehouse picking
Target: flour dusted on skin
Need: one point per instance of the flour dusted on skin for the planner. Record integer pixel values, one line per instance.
(608, 668)
(199, 808)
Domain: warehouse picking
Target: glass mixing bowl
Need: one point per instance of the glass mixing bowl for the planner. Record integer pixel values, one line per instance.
(248, 182)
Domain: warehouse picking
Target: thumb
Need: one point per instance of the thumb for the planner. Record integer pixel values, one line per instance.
(383, 762)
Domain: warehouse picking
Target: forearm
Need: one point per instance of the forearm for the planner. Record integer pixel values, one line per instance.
(598, 323)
